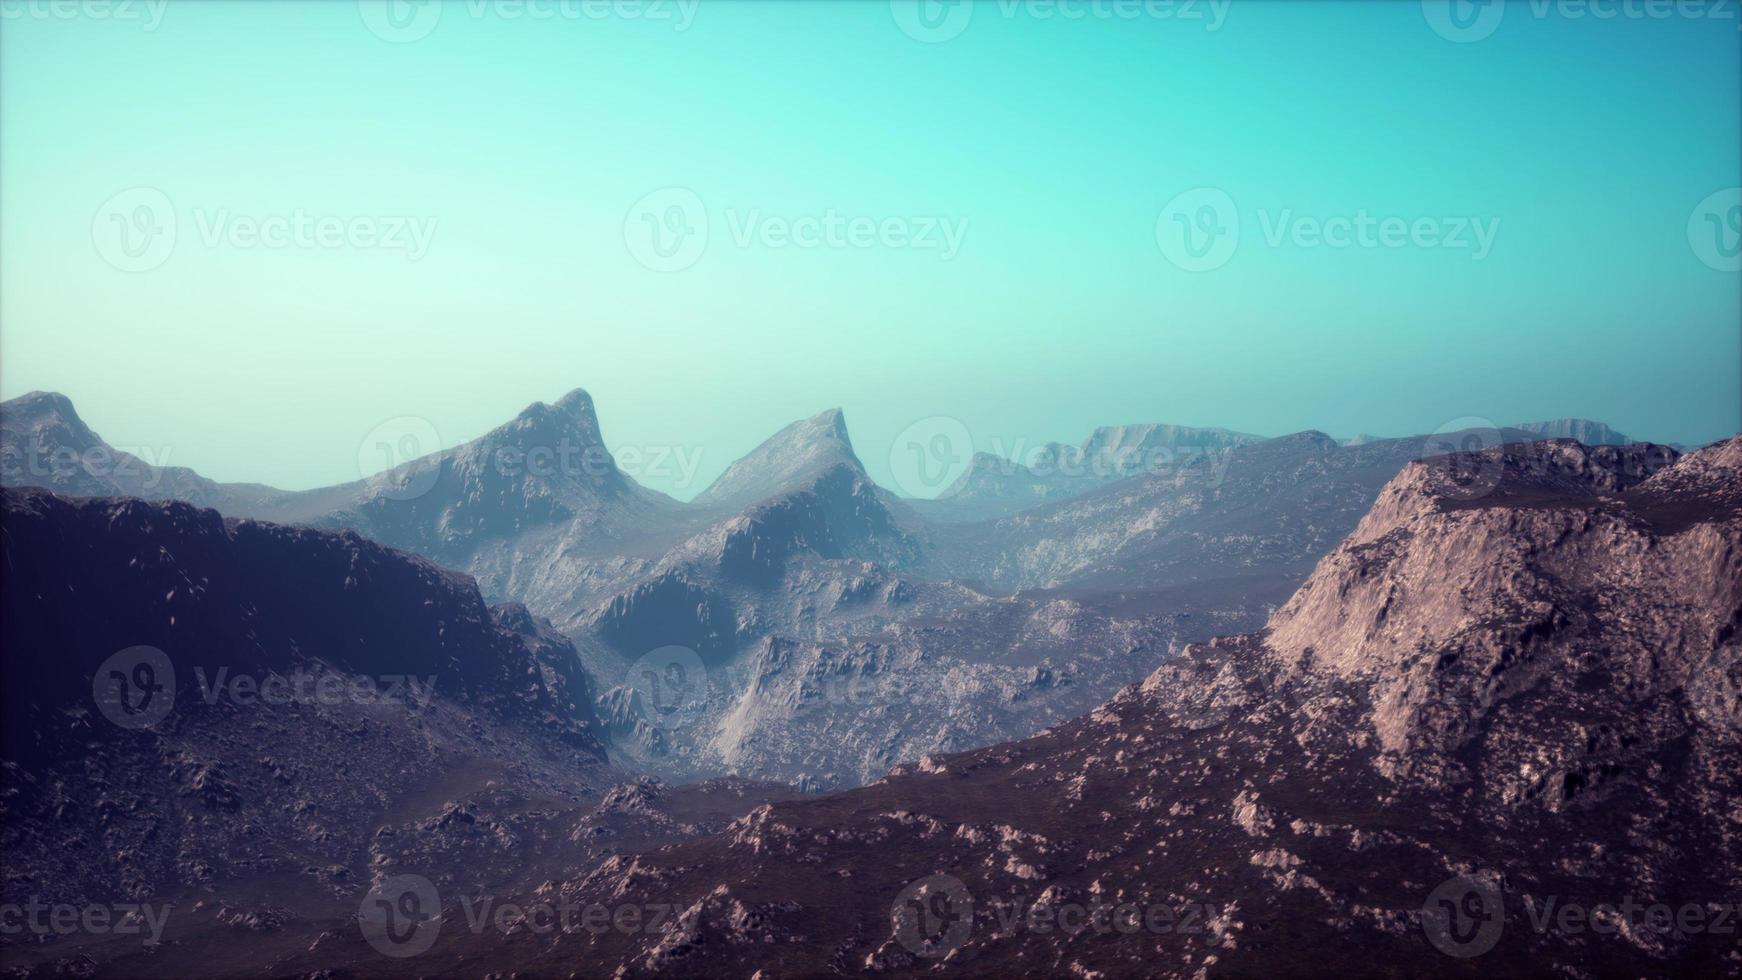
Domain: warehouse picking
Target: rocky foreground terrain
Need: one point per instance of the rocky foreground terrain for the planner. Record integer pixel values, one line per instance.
(219, 732)
(1498, 732)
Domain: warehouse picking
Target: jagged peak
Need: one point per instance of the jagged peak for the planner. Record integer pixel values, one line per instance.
(576, 402)
(828, 425)
(787, 460)
(571, 417)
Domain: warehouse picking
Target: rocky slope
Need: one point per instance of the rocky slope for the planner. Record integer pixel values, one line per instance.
(239, 726)
(1498, 732)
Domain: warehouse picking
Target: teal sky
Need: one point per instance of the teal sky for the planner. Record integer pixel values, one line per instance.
(1051, 144)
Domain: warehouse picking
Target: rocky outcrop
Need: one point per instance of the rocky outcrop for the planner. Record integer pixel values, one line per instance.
(1496, 701)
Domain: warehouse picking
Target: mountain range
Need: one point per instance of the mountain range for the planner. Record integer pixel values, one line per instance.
(836, 629)
(1512, 682)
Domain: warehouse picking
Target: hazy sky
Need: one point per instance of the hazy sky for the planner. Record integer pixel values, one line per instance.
(722, 219)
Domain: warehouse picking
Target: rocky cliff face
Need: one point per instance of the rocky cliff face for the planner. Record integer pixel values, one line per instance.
(1581, 575)
(1496, 733)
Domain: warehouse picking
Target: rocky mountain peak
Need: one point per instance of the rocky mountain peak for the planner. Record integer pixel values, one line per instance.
(41, 405)
(570, 418)
(47, 420)
(787, 460)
